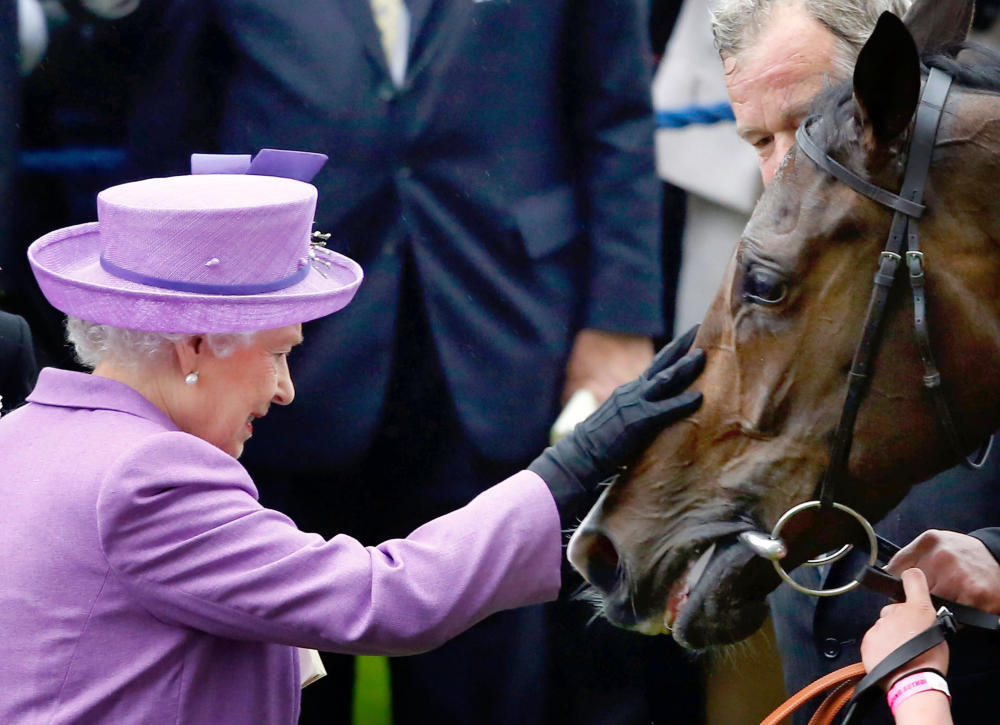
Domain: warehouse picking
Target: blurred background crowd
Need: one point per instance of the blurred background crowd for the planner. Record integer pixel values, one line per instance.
(99, 92)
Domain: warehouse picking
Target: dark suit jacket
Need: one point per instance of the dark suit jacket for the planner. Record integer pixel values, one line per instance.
(514, 164)
(817, 636)
(17, 361)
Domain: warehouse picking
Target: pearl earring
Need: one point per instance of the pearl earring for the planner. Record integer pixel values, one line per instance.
(191, 378)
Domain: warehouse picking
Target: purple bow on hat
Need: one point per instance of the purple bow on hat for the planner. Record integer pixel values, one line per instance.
(299, 165)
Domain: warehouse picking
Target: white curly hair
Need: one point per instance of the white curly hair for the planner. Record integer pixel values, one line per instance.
(93, 342)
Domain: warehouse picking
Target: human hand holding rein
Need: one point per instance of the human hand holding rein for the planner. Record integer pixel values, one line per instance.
(897, 624)
(958, 567)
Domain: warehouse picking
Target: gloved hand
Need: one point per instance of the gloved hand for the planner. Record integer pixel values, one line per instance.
(622, 426)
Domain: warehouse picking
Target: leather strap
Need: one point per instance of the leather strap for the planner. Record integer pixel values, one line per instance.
(908, 207)
(884, 583)
(845, 675)
(857, 378)
(930, 637)
(848, 686)
(848, 177)
(834, 703)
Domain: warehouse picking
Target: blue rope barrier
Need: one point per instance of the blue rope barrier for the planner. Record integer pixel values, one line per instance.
(691, 115)
(73, 159)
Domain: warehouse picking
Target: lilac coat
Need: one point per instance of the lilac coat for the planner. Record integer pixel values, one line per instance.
(142, 582)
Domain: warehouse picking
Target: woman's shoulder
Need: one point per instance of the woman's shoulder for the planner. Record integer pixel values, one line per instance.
(175, 448)
(172, 459)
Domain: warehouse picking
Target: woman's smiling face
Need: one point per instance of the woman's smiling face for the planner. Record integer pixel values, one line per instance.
(234, 390)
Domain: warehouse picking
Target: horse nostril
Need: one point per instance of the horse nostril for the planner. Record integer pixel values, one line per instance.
(594, 555)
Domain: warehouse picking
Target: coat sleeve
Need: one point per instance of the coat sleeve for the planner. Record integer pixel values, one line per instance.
(181, 528)
(613, 121)
(990, 538)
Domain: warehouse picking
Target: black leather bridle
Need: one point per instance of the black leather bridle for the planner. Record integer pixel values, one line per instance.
(902, 244)
(907, 208)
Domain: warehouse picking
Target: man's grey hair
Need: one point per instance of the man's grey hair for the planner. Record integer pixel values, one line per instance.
(93, 342)
(737, 23)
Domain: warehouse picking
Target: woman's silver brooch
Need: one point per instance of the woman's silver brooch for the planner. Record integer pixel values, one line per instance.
(317, 246)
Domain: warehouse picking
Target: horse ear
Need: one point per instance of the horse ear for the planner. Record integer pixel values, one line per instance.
(887, 79)
(935, 24)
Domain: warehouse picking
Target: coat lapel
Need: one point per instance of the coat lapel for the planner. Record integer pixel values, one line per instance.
(419, 10)
(433, 25)
(359, 13)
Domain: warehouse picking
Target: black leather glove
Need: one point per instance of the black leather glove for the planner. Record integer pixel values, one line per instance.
(622, 426)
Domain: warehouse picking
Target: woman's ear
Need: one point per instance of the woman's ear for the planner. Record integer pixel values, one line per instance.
(189, 352)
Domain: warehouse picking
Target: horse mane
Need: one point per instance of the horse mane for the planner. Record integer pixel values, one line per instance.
(978, 69)
(833, 114)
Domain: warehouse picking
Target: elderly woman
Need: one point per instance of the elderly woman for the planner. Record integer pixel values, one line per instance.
(141, 580)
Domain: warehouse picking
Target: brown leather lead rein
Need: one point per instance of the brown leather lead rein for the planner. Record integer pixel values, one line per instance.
(849, 685)
(839, 685)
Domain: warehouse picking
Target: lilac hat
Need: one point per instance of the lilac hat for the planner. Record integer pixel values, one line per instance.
(228, 249)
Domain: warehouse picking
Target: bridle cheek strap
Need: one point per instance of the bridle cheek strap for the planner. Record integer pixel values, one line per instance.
(907, 209)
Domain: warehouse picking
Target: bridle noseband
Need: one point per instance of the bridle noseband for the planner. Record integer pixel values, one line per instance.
(903, 243)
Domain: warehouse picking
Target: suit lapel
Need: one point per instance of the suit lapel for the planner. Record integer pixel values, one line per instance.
(419, 9)
(360, 14)
(433, 25)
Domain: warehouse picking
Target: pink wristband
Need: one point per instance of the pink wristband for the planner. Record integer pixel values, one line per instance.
(909, 685)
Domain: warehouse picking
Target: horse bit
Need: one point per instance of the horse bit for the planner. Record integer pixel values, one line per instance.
(907, 209)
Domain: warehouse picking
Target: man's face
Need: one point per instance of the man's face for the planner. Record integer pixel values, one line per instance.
(772, 82)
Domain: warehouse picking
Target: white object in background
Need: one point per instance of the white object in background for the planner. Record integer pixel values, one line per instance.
(581, 404)
(111, 9)
(32, 34)
(716, 168)
(310, 666)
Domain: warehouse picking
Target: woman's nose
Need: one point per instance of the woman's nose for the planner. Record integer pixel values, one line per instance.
(285, 393)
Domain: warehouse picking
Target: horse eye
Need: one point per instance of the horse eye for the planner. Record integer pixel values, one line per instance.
(764, 286)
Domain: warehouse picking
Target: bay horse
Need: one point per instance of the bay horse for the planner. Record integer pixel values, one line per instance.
(662, 547)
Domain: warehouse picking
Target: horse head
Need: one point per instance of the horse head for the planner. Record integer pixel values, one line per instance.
(662, 547)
